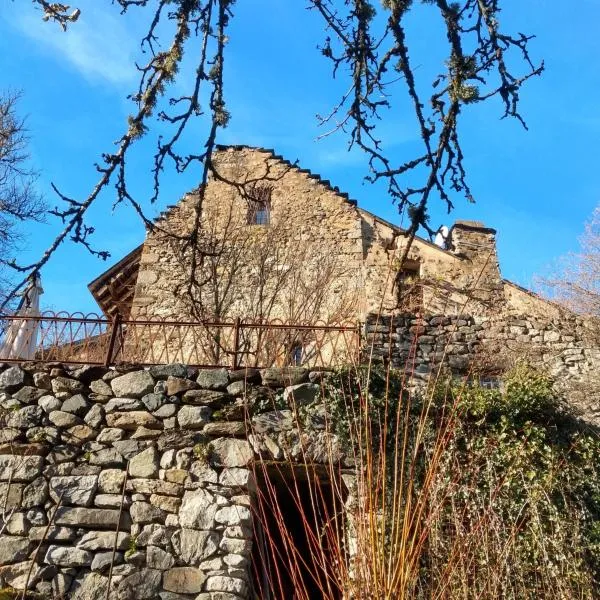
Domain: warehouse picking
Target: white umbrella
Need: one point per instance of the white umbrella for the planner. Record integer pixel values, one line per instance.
(21, 337)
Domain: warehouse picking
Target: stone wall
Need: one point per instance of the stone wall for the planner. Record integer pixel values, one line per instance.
(563, 346)
(163, 456)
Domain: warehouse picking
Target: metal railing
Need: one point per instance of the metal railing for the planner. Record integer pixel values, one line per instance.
(91, 339)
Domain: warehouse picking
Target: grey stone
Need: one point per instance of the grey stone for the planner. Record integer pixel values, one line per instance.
(165, 411)
(205, 397)
(77, 405)
(49, 403)
(52, 534)
(226, 452)
(153, 486)
(103, 560)
(110, 501)
(110, 434)
(17, 575)
(202, 472)
(133, 385)
(220, 583)
(132, 420)
(193, 417)
(64, 419)
(109, 457)
(66, 385)
(129, 448)
(143, 584)
(144, 512)
(35, 494)
(179, 385)
(95, 416)
(79, 433)
(28, 416)
(301, 394)
(225, 428)
(42, 381)
(20, 468)
(97, 518)
(110, 481)
(9, 434)
(157, 558)
(12, 379)
(73, 490)
(11, 495)
(236, 546)
(213, 379)
(29, 395)
(234, 515)
(65, 556)
(236, 477)
(61, 584)
(172, 370)
(283, 377)
(104, 540)
(154, 534)
(14, 549)
(36, 517)
(16, 523)
(143, 433)
(91, 586)
(186, 580)
(193, 546)
(154, 401)
(167, 503)
(198, 509)
(273, 421)
(177, 439)
(237, 388)
(248, 374)
(123, 405)
(145, 464)
(101, 388)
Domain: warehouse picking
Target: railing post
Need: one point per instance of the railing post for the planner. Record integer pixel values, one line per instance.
(236, 342)
(116, 325)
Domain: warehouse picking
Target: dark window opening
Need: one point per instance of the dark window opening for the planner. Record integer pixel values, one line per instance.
(298, 515)
(410, 289)
(259, 205)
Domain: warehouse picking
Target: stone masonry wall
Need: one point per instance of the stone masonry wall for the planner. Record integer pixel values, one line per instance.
(163, 455)
(565, 347)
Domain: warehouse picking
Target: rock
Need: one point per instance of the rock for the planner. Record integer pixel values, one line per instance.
(145, 464)
(63, 419)
(286, 376)
(184, 580)
(213, 379)
(20, 468)
(237, 388)
(205, 397)
(66, 385)
(133, 385)
(61, 584)
(29, 395)
(243, 478)
(154, 535)
(177, 439)
(97, 518)
(143, 584)
(221, 583)
(173, 370)
(109, 457)
(73, 490)
(143, 433)
(101, 388)
(12, 379)
(165, 411)
(193, 546)
(49, 403)
(167, 503)
(52, 534)
(153, 486)
(91, 587)
(225, 428)
(198, 509)
(14, 549)
(42, 381)
(144, 512)
(175, 475)
(11, 495)
(273, 421)
(248, 374)
(178, 385)
(79, 433)
(110, 501)
(235, 546)
(104, 540)
(95, 416)
(88, 373)
(132, 420)
(129, 448)
(154, 401)
(9, 434)
(110, 481)
(28, 416)
(110, 434)
(65, 556)
(103, 560)
(156, 558)
(226, 452)
(16, 523)
(301, 394)
(234, 515)
(193, 417)
(123, 405)
(16, 576)
(35, 494)
(77, 405)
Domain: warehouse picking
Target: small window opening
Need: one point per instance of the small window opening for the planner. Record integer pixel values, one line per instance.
(410, 290)
(296, 353)
(259, 205)
(298, 514)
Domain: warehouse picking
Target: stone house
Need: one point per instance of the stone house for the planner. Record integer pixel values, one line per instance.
(279, 243)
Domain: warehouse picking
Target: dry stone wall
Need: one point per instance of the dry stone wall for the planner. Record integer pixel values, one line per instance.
(149, 471)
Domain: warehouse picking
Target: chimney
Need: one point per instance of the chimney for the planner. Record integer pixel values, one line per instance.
(476, 244)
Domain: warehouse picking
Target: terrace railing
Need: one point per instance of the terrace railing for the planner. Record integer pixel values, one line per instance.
(91, 339)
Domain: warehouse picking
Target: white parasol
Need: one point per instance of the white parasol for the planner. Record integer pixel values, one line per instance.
(21, 337)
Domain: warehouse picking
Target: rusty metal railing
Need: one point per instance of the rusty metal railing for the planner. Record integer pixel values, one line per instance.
(91, 339)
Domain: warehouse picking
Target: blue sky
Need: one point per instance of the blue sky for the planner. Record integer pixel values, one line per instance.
(536, 188)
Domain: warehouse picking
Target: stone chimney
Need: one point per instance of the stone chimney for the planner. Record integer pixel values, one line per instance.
(476, 245)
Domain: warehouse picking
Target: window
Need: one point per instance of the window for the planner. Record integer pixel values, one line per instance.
(259, 205)
(410, 290)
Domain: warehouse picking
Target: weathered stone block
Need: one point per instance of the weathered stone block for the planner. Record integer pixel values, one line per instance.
(133, 385)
